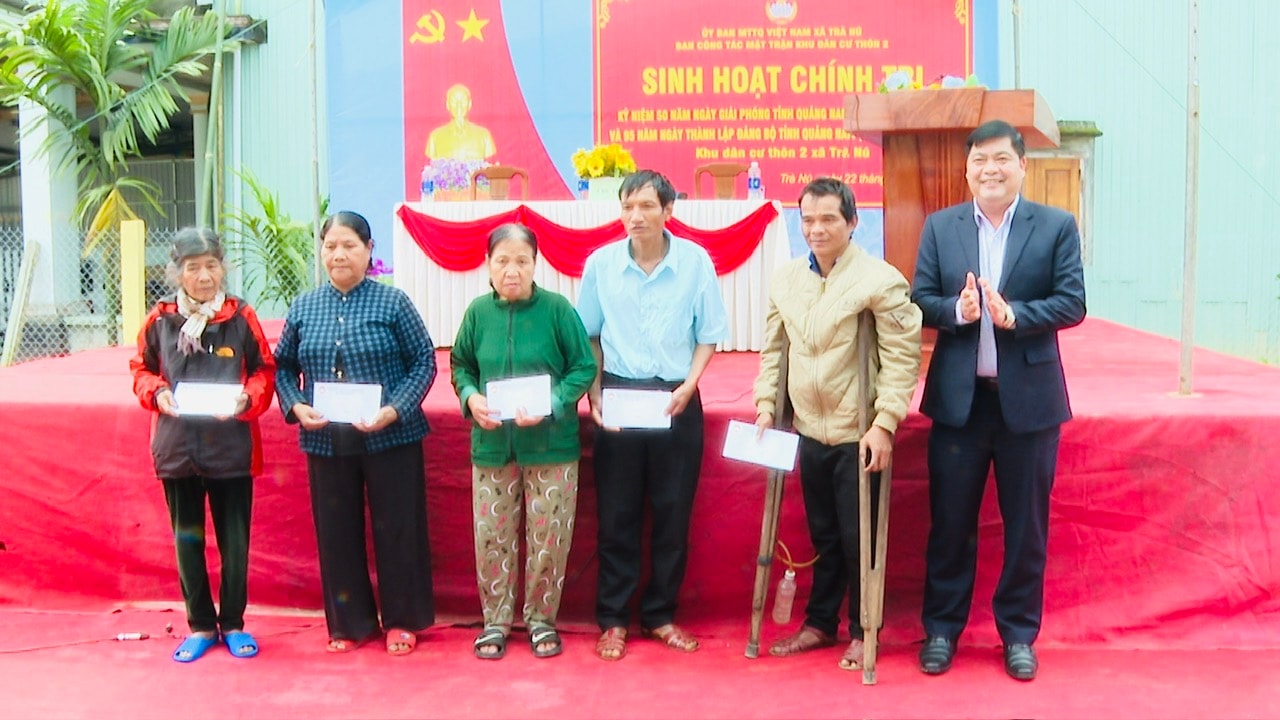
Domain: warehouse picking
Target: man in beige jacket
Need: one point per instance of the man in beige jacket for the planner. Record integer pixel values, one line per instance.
(814, 303)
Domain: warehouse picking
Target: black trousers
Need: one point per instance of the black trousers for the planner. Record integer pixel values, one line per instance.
(395, 483)
(630, 465)
(230, 504)
(829, 480)
(960, 459)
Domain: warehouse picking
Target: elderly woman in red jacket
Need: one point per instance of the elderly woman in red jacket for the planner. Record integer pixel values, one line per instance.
(203, 335)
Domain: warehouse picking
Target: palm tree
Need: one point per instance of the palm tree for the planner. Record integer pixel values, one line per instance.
(278, 251)
(106, 51)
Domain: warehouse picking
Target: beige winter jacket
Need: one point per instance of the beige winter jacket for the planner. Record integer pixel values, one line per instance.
(820, 319)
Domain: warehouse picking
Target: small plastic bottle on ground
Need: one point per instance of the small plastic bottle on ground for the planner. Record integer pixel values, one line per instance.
(784, 597)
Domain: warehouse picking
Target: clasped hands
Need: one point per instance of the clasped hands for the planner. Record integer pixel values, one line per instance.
(971, 303)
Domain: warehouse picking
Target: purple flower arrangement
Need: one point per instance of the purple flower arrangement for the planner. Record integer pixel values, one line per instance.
(456, 174)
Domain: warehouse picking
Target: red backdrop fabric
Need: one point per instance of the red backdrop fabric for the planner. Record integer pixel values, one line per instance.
(1162, 529)
(460, 246)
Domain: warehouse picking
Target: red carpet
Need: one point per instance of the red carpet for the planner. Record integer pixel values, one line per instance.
(1161, 541)
(293, 679)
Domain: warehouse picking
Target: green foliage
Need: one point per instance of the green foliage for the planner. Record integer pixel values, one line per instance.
(278, 252)
(102, 49)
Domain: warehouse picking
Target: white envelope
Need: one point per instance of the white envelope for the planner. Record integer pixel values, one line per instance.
(533, 393)
(639, 409)
(202, 398)
(776, 449)
(348, 402)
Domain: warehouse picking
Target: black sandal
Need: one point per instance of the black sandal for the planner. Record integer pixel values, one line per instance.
(491, 637)
(545, 635)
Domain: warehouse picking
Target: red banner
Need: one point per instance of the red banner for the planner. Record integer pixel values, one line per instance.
(460, 246)
(677, 83)
(734, 81)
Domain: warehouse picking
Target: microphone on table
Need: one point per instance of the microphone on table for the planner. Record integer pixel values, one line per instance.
(132, 636)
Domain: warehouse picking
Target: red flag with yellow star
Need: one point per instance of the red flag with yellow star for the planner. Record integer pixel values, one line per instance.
(462, 100)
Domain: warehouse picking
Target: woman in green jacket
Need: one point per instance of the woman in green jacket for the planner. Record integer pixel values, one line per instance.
(526, 466)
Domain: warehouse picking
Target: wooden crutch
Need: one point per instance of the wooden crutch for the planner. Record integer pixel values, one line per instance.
(871, 570)
(772, 509)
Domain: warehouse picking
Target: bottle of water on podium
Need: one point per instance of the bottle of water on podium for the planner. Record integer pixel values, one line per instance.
(784, 597)
(428, 186)
(755, 191)
(584, 188)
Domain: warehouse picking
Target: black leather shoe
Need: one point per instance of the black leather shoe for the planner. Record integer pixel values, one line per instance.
(1020, 661)
(935, 656)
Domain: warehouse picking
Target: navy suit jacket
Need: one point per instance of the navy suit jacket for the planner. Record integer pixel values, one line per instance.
(1042, 279)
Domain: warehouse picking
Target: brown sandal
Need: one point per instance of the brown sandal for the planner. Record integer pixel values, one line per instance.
(612, 644)
(674, 637)
(346, 645)
(852, 658)
(805, 639)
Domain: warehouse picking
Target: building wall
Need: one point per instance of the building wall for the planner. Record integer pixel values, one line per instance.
(1124, 66)
(269, 118)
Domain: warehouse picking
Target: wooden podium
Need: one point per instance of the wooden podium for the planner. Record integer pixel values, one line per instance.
(922, 133)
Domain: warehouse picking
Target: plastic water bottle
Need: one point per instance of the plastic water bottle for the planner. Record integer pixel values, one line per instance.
(428, 186)
(131, 636)
(755, 191)
(784, 597)
(584, 188)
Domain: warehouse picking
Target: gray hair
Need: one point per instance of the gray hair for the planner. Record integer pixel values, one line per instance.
(188, 243)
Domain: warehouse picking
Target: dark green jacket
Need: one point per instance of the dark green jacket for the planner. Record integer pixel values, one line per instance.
(541, 335)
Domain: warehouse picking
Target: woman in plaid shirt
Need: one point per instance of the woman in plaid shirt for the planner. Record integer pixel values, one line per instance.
(356, 330)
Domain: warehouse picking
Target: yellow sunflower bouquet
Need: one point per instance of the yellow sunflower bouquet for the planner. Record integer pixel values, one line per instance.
(603, 161)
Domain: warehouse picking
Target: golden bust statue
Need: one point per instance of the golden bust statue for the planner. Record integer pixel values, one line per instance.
(459, 139)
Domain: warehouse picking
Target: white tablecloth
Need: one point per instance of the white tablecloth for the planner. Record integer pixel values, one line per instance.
(443, 295)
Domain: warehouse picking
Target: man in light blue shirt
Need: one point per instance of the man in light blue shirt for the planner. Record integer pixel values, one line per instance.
(652, 307)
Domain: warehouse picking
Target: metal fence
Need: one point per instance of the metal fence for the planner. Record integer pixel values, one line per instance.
(86, 314)
(10, 263)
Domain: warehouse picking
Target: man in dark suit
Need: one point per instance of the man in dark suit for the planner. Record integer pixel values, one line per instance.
(998, 278)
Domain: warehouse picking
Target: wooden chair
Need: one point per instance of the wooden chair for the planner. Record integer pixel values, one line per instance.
(725, 176)
(499, 177)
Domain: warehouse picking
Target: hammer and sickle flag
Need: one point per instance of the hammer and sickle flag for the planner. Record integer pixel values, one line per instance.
(432, 27)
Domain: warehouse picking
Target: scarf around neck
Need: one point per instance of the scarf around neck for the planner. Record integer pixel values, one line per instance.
(198, 315)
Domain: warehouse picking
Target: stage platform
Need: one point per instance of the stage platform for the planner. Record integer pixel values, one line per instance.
(1163, 515)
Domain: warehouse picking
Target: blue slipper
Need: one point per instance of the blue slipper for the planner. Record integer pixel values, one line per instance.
(241, 644)
(194, 648)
